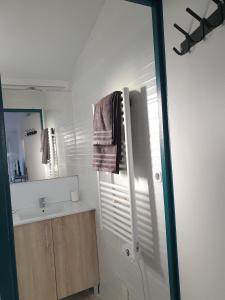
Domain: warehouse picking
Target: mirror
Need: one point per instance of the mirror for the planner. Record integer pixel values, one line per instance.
(23, 139)
(39, 133)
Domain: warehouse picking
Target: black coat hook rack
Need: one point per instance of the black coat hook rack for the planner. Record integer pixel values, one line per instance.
(206, 26)
(30, 132)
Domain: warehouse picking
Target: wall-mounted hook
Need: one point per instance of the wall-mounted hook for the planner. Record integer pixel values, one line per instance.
(220, 5)
(189, 39)
(177, 51)
(30, 131)
(207, 25)
(202, 21)
(193, 14)
(187, 35)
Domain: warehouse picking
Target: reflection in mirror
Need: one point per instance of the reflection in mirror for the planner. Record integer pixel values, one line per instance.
(39, 132)
(28, 154)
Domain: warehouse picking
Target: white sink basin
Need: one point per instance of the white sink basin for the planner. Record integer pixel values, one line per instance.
(27, 214)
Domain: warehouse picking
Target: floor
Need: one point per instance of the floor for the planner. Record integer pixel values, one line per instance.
(84, 296)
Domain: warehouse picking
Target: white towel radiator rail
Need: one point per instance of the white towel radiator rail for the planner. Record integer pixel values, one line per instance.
(53, 163)
(117, 202)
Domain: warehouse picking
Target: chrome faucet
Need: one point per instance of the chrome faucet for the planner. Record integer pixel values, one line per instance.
(42, 202)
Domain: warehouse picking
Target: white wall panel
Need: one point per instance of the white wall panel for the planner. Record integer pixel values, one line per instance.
(196, 115)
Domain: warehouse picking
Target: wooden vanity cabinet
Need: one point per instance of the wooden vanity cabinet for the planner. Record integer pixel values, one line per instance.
(57, 258)
(76, 258)
(35, 261)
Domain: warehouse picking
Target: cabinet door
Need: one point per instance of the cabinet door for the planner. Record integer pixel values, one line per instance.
(76, 258)
(35, 261)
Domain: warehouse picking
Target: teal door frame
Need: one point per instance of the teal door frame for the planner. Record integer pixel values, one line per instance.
(156, 7)
(8, 275)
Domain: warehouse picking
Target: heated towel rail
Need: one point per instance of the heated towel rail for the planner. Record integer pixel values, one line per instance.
(53, 162)
(116, 200)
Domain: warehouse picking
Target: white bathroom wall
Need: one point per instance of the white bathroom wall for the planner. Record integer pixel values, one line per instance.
(22, 98)
(196, 115)
(57, 109)
(27, 194)
(119, 53)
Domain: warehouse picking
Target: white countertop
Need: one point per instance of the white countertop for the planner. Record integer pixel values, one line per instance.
(60, 209)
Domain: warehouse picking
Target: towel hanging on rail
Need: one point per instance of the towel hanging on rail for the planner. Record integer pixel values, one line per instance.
(45, 148)
(107, 133)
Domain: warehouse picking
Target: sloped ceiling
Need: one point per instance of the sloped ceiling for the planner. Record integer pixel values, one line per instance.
(42, 39)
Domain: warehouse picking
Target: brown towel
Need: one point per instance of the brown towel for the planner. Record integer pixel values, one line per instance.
(45, 149)
(107, 133)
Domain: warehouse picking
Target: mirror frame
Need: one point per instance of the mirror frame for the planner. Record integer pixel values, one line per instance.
(8, 275)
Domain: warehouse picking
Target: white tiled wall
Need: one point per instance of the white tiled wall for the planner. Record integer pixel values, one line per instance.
(59, 115)
(24, 195)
